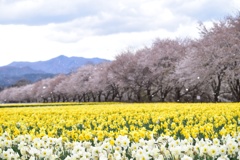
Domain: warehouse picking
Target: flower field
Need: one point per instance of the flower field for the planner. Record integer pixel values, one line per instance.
(121, 131)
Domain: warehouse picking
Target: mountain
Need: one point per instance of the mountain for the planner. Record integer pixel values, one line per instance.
(16, 71)
(60, 64)
(35, 71)
(10, 75)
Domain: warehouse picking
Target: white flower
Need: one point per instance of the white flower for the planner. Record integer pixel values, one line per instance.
(117, 155)
(144, 149)
(32, 158)
(203, 150)
(7, 143)
(5, 155)
(216, 141)
(24, 150)
(172, 144)
(5, 135)
(15, 156)
(102, 156)
(51, 141)
(141, 154)
(68, 158)
(34, 152)
(208, 142)
(22, 144)
(213, 151)
(184, 142)
(178, 142)
(223, 157)
(233, 146)
(185, 157)
(176, 151)
(28, 138)
(78, 149)
(222, 149)
(147, 149)
(87, 144)
(74, 157)
(134, 146)
(53, 157)
(196, 148)
(118, 148)
(125, 142)
(117, 142)
(21, 138)
(120, 139)
(201, 143)
(45, 153)
(141, 157)
(87, 155)
(190, 140)
(151, 143)
(155, 152)
(107, 146)
(96, 151)
(45, 138)
(142, 142)
(160, 157)
(36, 143)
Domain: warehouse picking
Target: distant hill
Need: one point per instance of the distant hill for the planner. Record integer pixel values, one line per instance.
(35, 71)
(17, 71)
(60, 64)
(10, 75)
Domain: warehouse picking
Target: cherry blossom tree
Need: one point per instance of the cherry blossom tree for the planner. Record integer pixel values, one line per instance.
(213, 59)
(232, 51)
(130, 74)
(162, 60)
(65, 90)
(189, 76)
(79, 83)
(102, 84)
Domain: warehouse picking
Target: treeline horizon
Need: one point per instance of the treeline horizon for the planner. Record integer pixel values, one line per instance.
(206, 69)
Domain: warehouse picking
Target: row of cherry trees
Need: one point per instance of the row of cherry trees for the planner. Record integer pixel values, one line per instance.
(205, 69)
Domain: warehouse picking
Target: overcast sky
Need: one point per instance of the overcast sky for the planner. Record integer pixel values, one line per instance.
(34, 30)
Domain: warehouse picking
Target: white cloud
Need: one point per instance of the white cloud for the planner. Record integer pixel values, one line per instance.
(28, 43)
(21, 8)
(96, 28)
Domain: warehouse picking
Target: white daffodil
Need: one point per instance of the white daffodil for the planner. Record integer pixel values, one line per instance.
(185, 157)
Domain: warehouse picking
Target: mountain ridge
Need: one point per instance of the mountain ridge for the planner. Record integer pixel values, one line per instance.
(35, 71)
(60, 64)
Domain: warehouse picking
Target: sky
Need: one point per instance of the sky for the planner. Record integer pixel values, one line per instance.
(38, 30)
